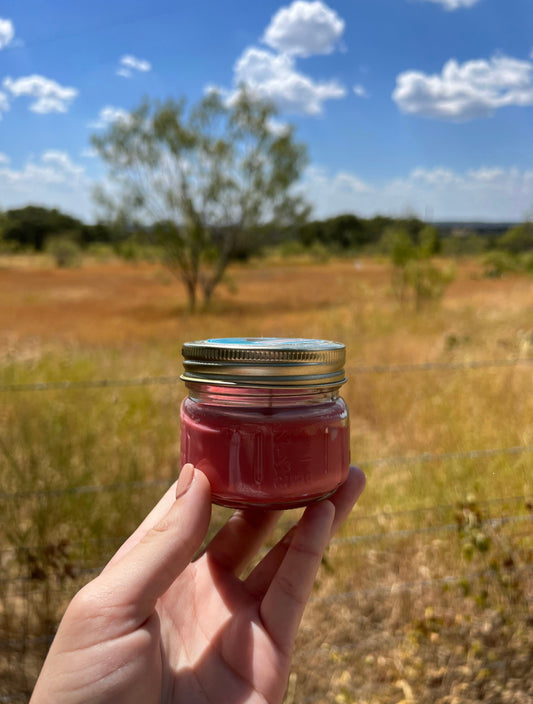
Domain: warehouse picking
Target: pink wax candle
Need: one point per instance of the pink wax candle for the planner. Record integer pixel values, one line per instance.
(264, 420)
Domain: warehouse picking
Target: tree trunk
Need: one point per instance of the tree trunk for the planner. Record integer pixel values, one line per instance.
(191, 295)
(210, 282)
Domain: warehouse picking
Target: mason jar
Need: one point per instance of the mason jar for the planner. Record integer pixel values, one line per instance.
(264, 420)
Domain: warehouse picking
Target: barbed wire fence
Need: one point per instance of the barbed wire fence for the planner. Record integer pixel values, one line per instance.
(353, 369)
(24, 643)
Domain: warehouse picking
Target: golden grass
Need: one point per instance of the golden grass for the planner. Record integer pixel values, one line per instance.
(380, 642)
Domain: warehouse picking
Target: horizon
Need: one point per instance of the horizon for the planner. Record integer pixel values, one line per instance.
(408, 107)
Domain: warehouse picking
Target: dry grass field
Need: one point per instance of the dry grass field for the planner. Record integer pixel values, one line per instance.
(426, 595)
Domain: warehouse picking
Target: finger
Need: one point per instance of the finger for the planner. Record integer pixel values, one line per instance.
(241, 537)
(156, 514)
(343, 500)
(284, 602)
(148, 569)
(260, 577)
(346, 496)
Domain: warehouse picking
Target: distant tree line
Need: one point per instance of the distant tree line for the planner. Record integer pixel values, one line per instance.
(32, 227)
(350, 232)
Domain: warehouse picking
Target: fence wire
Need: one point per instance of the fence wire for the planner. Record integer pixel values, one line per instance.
(356, 369)
(392, 590)
(350, 539)
(392, 460)
(25, 644)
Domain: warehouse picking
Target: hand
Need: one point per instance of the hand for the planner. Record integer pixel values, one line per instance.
(155, 627)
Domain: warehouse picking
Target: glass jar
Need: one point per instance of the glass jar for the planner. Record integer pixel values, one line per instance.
(264, 420)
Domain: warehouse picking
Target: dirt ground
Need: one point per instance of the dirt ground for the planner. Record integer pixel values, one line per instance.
(116, 303)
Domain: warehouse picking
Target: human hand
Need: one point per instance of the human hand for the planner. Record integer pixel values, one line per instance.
(155, 627)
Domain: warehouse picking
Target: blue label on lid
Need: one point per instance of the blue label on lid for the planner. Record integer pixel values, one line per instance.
(274, 342)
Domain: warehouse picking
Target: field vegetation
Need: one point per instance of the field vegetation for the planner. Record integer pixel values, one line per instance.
(426, 594)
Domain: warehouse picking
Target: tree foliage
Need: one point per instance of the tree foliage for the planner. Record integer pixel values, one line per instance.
(413, 268)
(349, 232)
(32, 226)
(517, 239)
(200, 180)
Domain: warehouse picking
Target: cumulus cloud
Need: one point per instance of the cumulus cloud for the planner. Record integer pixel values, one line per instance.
(48, 95)
(7, 32)
(278, 128)
(89, 153)
(360, 91)
(332, 194)
(4, 159)
(62, 164)
(52, 179)
(304, 28)
(453, 4)
(466, 91)
(299, 30)
(53, 167)
(129, 64)
(274, 77)
(108, 115)
(485, 193)
(4, 103)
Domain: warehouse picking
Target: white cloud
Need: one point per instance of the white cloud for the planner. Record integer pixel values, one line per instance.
(4, 103)
(7, 32)
(4, 159)
(465, 91)
(360, 91)
(48, 95)
(486, 193)
(53, 167)
(53, 180)
(129, 64)
(62, 163)
(454, 4)
(278, 127)
(108, 115)
(333, 194)
(274, 77)
(298, 30)
(304, 28)
(89, 153)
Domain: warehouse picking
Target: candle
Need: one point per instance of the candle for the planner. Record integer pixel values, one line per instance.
(264, 420)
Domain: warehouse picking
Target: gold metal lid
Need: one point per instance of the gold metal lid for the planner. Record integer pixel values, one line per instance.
(264, 362)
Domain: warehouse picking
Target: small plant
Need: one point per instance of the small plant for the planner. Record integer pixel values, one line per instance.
(65, 250)
(470, 525)
(414, 271)
(498, 263)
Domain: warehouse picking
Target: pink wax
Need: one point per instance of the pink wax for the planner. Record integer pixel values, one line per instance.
(285, 453)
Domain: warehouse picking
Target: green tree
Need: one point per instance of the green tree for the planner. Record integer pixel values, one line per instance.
(30, 226)
(396, 242)
(517, 239)
(413, 268)
(199, 179)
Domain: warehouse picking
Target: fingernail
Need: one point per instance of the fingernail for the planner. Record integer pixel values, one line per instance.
(185, 480)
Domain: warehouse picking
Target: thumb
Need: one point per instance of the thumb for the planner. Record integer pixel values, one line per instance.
(146, 571)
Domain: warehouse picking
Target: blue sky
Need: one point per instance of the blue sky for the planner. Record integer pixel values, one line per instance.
(407, 106)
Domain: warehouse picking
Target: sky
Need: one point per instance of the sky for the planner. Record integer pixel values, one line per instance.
(407, 107)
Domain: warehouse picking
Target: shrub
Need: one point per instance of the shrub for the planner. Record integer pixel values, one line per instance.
(413, 268)
(517, 239)
(100, 251)
(65, 251)
(498, 263)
